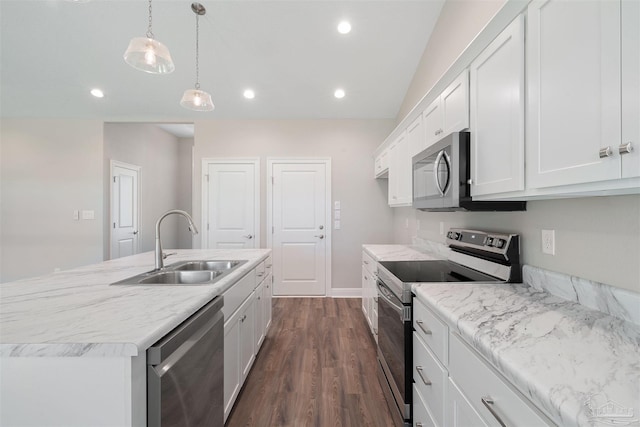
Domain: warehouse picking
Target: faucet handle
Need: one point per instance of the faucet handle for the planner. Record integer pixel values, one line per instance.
(165, 255)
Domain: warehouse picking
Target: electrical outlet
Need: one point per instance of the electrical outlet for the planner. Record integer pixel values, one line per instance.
(406, 223)
(549, 242)
(441, 228)
(418, 224)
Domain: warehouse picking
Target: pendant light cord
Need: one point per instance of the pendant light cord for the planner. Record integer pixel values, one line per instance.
(149, 31)
(197, 52)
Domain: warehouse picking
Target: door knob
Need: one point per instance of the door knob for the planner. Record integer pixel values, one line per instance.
(321, 236)
(321, 227)
(135, 232)
(248, 236)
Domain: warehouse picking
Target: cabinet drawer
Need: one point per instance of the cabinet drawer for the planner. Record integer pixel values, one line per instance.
(421, 416)
(369, 263)
(260, 272)
(478, 382)
(432, 330)
(430, 378)
(268, 266)
(236, 294)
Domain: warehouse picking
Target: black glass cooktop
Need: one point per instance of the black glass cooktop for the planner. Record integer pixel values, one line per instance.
(435, 271)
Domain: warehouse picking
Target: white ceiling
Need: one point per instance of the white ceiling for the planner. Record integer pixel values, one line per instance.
(54, 51)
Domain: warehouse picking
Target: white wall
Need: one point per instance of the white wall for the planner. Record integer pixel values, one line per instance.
(597, 238)
(185, 185)
(366, 218)
(48, 169)
(161, 159)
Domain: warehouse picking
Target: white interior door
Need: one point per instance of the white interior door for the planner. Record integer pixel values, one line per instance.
(300, 230)
(125, 208)
(231, 208)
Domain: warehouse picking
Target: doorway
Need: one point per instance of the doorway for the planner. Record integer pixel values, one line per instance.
(125, 209)
(231, 203)
(299, 225)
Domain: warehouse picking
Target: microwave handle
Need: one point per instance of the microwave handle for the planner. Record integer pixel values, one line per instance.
(436, 166)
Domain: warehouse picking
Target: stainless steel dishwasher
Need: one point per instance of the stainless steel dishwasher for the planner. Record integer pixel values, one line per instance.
(185, 372)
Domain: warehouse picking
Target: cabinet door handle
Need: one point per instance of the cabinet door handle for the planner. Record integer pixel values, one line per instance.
(625, 148)
(418, 424)
(424, 379)
(605, 152)
(487, 402)
(421, 326)
(366, 262)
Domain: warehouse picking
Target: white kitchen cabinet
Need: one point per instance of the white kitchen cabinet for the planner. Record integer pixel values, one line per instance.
(400, 193)
(573, 92)
(460, 413)
(449, 112)
(630, 89)
(259, 329)
(416, 137)
(268, 295)
(497, 102)
(369, 293)
(381, 165)
(239, 351)
(492, 397)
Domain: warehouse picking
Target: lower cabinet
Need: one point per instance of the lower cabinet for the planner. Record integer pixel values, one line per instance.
(370, 293)
(245, 329)
(455, 386)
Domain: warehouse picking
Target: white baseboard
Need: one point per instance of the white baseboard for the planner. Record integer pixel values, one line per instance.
(346, 293)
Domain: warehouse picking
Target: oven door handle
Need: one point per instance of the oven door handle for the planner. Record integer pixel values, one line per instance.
(385, 294)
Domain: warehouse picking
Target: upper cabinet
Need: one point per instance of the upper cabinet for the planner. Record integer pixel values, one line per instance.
(416, 137)
(497, 114)
(448, 113)
(400, 172)
(630, 148)
(574, 95)
(382, 164)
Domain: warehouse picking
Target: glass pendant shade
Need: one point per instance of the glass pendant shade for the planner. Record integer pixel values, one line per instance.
(149, 55)
(196, 99)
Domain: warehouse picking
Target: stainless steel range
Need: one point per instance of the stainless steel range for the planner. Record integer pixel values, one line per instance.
(478, 256)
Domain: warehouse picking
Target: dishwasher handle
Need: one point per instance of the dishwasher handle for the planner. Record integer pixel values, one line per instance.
(204, 318)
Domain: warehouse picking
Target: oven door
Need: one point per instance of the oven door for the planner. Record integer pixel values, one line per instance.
(394, 347)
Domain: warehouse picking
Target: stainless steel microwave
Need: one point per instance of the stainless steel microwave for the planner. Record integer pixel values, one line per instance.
(441, 178)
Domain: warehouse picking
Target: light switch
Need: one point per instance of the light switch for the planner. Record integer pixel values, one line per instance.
(88, 214)
(76, 215)
(336, 205)
(336, 214)
(336, 225)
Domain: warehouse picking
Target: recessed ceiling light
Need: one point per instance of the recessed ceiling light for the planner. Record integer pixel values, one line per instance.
(249, 94)
(97, 93)
(344, 27)
(339, 93)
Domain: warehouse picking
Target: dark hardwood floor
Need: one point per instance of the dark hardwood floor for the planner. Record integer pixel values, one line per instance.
(317, 367)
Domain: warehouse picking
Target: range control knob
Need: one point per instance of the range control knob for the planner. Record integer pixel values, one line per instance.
(499, 243)
(489, 241)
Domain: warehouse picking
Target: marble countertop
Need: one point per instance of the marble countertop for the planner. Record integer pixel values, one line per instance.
(400, 253)
(559, 354)
(76, 313)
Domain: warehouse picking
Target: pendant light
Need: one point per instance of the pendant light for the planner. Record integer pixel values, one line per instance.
(196, 99)
(149, 55)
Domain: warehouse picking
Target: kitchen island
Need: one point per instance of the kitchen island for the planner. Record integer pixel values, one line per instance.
(72, 347)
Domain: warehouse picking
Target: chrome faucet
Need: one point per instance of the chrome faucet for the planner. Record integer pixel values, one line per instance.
(159, 254)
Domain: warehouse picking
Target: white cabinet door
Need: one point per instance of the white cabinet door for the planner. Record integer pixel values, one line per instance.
(460, 413)
(268, 302)
(432, 120)
(365, 295)
(573, 92)
(259, 316)
(232, 369)
(497, 114)
(416, 137)
(382, 164)
(400, 172)
(455, 105)
(247, 336)
(630, 88)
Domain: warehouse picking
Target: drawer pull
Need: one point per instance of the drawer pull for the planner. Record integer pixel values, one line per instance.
(421, 325)
(487, 402)
(418, 424)
(424, 379)
(366, 262)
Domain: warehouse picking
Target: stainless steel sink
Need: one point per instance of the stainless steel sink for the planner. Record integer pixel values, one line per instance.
(184, 273)
(206, 265)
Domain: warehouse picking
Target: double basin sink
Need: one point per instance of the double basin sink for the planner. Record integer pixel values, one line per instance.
(185, 273)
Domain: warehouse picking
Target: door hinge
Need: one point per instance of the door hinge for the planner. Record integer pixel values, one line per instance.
(273, 230)
(207, 226)
(207, 177)
(114, 225)
(114, 179)
(273, 180)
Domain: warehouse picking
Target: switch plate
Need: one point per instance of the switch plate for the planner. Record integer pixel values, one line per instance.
(336, 225)
(441, 228)
(549, 242)
(76, 215)
(417, 224)
(88, 214)
(336, 214)
(406, 223)
(336, 205)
